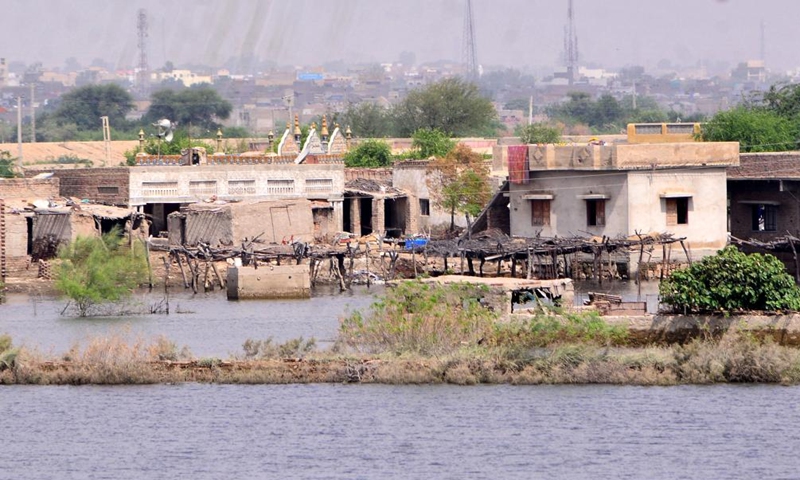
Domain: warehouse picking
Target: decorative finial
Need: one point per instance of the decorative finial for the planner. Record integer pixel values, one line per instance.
(324, 130)
(219, 133)
(347, 133)
(297, 130)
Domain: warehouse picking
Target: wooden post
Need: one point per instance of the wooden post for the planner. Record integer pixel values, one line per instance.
(166, 281)
(796, 263)
(366, 260)
(216, 273)
(192, 270)
(639, 268)
(180, 266)
(530, 264)
(686, 251)
(147, 256)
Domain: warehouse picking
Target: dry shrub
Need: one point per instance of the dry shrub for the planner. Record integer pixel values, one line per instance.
(407, 372)
(460, 374)
(163, 349)
(737, 357)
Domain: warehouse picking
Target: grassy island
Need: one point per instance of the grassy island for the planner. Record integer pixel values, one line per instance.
(421, 333)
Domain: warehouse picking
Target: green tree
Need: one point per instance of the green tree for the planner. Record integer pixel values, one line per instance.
(538, 133)
(84, 106)
(459, 182)
(7, 165)
(369, 153)
(731, 281)
(756, 130)
(427, 142)
(199, 106)
(783, 100)
(96, 270)
(451, 105)
(368, 120)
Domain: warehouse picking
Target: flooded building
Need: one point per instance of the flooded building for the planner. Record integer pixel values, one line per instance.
(620, 190)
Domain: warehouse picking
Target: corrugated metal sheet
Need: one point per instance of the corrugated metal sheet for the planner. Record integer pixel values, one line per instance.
(209, 226)
(56, 225)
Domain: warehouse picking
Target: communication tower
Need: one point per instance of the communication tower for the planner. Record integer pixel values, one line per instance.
(571, 45)
(468, 55)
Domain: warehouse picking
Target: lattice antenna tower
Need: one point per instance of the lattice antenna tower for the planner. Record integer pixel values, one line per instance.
(468, 56)
(143, 73)
(571, 45)
(763, 49)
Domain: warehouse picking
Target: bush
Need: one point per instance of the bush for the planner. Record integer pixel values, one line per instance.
(369, 153)
(544, 330)
(731, 281)
(539, 133)
(99, 269)
(421, 318)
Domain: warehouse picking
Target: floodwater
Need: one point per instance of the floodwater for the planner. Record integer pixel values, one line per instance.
(208, 324)
(202, 431)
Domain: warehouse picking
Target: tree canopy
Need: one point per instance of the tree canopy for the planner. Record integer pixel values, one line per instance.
(369, 153)
(198, 106)
(427, 143)
(459, 182)
(539, 133)
(452, 105)
(756, 130)
(369, 120)
(83, 107)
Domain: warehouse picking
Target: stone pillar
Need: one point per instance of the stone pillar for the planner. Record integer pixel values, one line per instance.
(355, 216)
(378, 215)
(412, 215)
(338, 216)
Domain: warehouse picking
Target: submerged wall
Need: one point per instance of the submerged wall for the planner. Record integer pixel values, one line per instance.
(269, 281)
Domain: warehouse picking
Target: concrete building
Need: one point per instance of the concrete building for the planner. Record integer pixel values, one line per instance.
(619, 190)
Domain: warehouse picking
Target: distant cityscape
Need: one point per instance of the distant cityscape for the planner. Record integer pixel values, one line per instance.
(266, 100)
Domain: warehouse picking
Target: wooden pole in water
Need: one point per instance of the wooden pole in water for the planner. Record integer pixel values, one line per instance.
(530, 265)
(166, 280)
(180, 266)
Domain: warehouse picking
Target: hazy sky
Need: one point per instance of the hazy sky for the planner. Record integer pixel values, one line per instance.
(516, 33)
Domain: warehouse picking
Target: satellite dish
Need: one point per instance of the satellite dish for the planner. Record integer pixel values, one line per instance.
(165, 129)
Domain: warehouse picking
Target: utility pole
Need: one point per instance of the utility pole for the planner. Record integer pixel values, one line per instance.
(19, 131)
(530, 111)
(106, 139)
(33, 116)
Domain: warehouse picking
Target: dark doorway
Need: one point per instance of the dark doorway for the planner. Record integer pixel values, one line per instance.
(366, 215)
(395, 223)
(347, 221)
(158, 213)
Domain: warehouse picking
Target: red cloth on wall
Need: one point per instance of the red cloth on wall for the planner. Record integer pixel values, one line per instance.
(518, 164)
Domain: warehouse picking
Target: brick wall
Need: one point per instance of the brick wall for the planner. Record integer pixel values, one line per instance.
(28, 188)
(110, 186)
